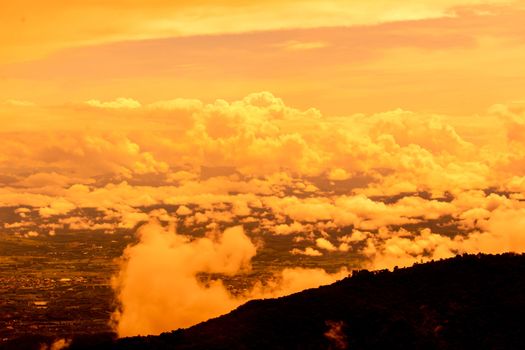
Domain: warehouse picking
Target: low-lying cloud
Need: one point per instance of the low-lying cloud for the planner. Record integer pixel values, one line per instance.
(160, 287)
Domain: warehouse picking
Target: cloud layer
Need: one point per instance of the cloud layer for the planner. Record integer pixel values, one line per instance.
(256, 191)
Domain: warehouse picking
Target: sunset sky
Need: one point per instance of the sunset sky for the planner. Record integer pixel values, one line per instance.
(443, 56)
(382, 132)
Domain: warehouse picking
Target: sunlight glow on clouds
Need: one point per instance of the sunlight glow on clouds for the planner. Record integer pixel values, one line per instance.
(168, 263)
(387, 189)
(280, 144)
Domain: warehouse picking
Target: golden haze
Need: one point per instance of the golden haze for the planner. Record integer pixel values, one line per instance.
(377, 133)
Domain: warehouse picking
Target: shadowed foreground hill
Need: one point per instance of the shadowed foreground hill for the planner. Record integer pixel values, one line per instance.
(468, 302)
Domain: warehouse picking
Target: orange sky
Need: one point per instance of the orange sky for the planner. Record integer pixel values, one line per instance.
(455, 57)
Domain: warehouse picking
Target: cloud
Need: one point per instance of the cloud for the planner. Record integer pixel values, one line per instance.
(325, 244)
(119, 103)
(338, 174)
(502, 232)
(286, 229)
(259, 137)
(259, 155)
(58, 206)
(19, 103)
(183, 210)
(308, 251)
(161, 18)
(294, 45)
(52, 179)
(376, 190)
(170, 265)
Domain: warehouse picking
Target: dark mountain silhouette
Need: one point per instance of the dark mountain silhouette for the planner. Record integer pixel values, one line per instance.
(467, 302)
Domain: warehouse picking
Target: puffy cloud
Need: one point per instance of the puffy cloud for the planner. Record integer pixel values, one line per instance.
(258, 134)
(502, 232)
(293, 280)
(121, 102)
(183, 210)
(258, 137)
(83, 223)
(513, 115)
(286, 229)
(391, 188)
(58, 206)
(32, 234)
(338, 174)
(309, 251)
(325, 244)
(170, 265)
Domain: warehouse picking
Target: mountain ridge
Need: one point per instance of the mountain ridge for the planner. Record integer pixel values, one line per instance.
(464, 302)
(469, 301)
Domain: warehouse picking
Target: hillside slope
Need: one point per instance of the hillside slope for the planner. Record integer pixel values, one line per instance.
(471, 301)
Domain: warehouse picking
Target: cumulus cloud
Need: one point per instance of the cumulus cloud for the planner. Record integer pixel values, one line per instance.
(502, 232)
(380, 190)
(170, 265)
(183, 210)
(121, 102)
(325, 244)
(286, 229)
(309, 251)
(260, 136)
(58, 206)
(291, 161)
